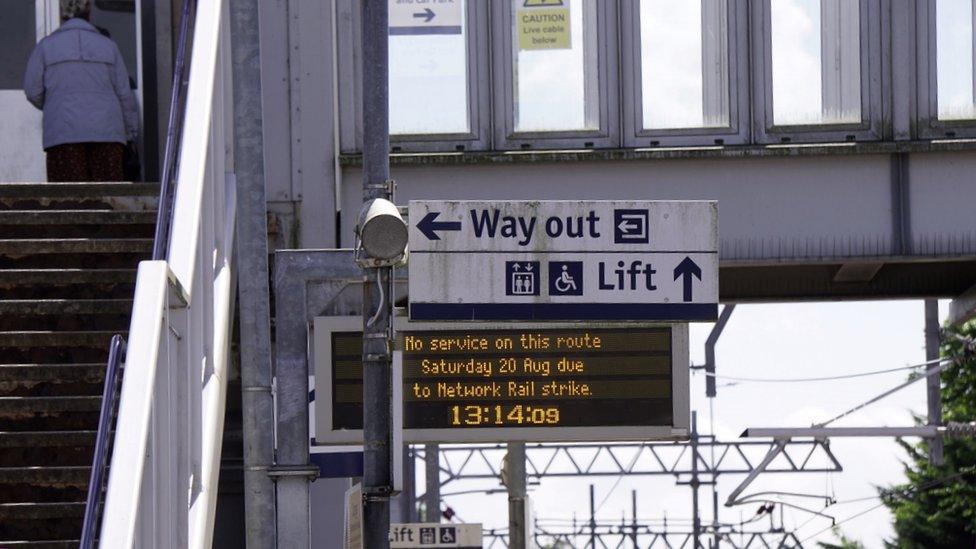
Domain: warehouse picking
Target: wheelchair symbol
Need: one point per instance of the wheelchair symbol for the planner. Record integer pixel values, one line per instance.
(565, 278)
(565, 281)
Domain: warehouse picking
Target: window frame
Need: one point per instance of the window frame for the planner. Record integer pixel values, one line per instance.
(737, 132)
(928, 123)
(503, 54)
(872, 56)
(349, 84)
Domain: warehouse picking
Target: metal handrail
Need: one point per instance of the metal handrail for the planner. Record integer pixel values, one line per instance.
(116, 355)
(174, 134)
(167, 193)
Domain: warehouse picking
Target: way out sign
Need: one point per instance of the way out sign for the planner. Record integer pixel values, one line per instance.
(563, 260)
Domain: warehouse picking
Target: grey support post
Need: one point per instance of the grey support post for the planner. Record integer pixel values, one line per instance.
(696, 518)
(377, 288)
(713, 336)
(408, 498)
(593, 536)
(933, 385)
(432, 471)
(516, 495)
(252, 277)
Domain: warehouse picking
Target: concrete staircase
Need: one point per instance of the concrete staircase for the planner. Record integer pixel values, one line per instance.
(68, 257)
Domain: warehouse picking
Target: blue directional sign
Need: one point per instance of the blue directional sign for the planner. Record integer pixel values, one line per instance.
(419, 17)
(572, 260)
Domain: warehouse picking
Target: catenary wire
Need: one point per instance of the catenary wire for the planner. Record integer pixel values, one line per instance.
(825, 378)
(929, 372)
(896, 491)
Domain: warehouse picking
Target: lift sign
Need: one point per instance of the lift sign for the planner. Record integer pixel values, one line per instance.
(563, 260)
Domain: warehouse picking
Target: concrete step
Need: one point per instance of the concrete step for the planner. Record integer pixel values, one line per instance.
(55, 448)
(74, 253)
(62, 224)
(40, 521)
(38, 246)
(50, 413)
(76, 476)
(15, 339)
(46, 439)
(46, 484)
(54, 347)
(77, 217)
(42, 544)
(67, 283)
(64, 314)
(92, 190)
(79, 196)
(88, 372)
(45, 307)
(67, 277)
(41, 380)
(19, 406)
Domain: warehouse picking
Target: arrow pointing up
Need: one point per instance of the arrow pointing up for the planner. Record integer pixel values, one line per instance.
(429, 226)
(687, 268)
(426, 15)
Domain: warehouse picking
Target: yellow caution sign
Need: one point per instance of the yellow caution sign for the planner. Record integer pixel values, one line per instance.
(543, 25)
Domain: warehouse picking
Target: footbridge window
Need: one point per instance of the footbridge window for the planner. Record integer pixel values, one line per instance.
(684, 72)
(514, 75)
(947, 70)
(819, 70)
(438, 70)
(554, 74)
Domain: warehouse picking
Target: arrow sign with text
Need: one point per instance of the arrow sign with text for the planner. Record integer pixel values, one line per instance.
(418, 17)
(563, 260)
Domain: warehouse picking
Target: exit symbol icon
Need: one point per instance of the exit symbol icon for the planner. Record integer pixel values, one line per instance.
(631, 227)
(521, 278)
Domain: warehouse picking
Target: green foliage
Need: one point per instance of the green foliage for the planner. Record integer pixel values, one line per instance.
(936, 508)
(843, 542)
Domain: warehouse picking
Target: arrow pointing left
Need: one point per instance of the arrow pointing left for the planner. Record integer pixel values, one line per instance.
(426, 15)
(429, 225)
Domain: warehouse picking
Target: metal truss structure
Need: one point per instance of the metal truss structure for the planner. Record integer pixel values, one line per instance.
(645, 537)
(712, 458)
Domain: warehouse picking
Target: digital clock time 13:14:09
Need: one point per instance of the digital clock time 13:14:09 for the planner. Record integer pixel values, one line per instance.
(497, 414)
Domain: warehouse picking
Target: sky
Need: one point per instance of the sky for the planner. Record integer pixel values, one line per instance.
(761, 341)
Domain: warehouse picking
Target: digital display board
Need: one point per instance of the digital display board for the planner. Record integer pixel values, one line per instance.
(531, 379)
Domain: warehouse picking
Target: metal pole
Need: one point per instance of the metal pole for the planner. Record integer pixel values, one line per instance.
(713, 336)
(432, 469)
(408, 498)
(933, 383)
(696, 519)
(718, 538)
(252, 277)
(592, 520)
(516, 495)
(377, 299)
(633, 522)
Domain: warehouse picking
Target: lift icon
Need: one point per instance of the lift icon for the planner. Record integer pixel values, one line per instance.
(521, 278)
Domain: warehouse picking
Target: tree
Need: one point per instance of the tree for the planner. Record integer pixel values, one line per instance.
(936, 508)
(843, 542)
